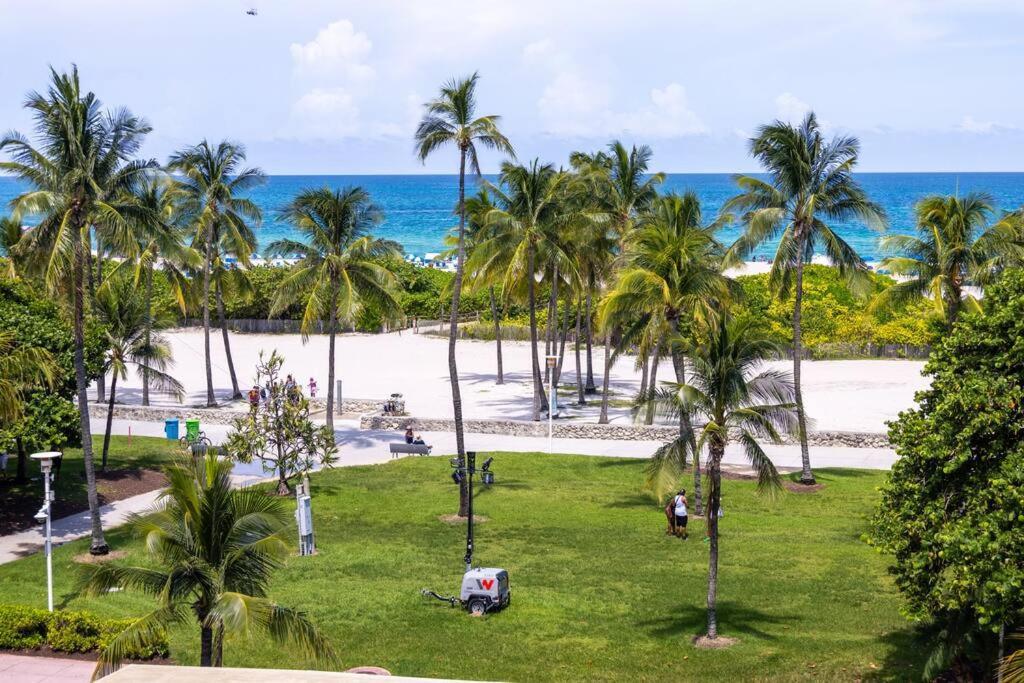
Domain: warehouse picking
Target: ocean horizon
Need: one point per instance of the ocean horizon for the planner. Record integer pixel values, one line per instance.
(418, 209)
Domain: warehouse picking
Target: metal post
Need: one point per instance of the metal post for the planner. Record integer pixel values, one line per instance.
(552, 399)
(49, 542)
(470, 467)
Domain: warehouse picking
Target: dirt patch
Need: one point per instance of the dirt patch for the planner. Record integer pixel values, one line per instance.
(18, 511)
(719, 643)
(455, 519)
(88, 558)
(797, 487)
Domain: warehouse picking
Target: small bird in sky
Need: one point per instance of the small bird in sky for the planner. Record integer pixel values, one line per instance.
(251, 12)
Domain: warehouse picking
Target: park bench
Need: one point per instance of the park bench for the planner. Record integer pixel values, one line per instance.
(410, 449)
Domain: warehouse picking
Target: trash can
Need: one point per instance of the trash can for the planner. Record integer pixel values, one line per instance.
(192, 429)
(171, 429)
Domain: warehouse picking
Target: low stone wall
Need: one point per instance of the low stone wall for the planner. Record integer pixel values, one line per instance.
(218, 416)
(590, 430)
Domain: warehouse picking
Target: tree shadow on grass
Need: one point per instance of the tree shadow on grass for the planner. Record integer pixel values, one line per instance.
(906, 652)
(620, 462)
(632, 501)
(839, 473)
(734, 620)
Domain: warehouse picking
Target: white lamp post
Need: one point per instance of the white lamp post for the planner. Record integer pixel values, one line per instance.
(552, 399)
(43, 516)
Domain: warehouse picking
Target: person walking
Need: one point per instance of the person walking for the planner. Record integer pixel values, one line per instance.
(679, 512)
(312, 388)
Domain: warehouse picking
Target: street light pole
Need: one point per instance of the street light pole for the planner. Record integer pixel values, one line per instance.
(470, 468)
(46, 465)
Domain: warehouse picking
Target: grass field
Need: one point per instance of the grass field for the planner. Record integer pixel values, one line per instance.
(600, 592)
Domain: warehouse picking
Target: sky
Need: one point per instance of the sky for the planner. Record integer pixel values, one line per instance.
(317, 86)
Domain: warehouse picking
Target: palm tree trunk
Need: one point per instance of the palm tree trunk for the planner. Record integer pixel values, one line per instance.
(205, 646)
(149, 328)
(644, 369)
(110, 421)
(581, 399)
(235, 393)
(685, 425)
(561, 344)
(551, 329)
(714, 502)
(590, 387)
(218, 646)
(806, 475)
(211, 400)
(22, 476)
(538, 389)
(607, 375)
(497, 335)
(332, 330)
(453, 370)
(98, 545)
(652, 385)
(92, 282)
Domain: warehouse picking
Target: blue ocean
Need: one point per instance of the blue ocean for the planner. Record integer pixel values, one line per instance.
(418, 208)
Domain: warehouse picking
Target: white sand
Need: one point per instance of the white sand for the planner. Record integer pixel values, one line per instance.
(856, 395)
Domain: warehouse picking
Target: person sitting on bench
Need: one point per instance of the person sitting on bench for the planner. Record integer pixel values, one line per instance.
(418, 441)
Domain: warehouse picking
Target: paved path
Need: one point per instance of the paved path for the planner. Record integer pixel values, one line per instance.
(367, 447)
(21, 669)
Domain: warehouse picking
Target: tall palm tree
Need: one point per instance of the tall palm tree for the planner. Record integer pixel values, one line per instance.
(81, 165)
(160, 237)
(622, 189)
(10, 236)
(810, 184)
(478, 207)
(340, 270)
(672, 274)
(953, 249)
(131, 341)
(211, 180)
(450, 120)
(521, 235)
(215, 548)
(737, 402)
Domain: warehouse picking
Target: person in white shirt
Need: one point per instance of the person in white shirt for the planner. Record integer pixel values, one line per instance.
(680, 517)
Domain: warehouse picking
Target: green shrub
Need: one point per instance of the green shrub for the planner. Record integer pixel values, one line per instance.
(26, 628)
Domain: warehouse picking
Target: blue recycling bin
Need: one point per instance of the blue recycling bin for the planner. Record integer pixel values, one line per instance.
(171, 429)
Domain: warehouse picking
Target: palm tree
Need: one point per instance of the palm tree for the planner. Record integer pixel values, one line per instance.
(478, 207)
(21, 368)
(521, 234)
(737, 403)
(76, 172)
(214, 548)
(160, 243)
(622, 189)
(211, 180)
(340, 270)
(10, 236)
(131, 340)
(810, 183)
(450, 120)
(672, 274)
(954, 248)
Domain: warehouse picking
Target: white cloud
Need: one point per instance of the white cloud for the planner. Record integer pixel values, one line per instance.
(971, 125)
(325, 113)
(338, 52)
(790, 108)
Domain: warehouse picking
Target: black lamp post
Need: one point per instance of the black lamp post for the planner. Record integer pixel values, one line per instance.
(465, 469)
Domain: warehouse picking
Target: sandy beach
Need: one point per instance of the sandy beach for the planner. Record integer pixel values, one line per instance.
(854, 395)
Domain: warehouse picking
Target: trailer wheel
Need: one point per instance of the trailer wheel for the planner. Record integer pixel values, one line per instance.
(477, 607)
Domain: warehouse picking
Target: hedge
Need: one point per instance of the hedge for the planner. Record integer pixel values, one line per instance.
(27, 628)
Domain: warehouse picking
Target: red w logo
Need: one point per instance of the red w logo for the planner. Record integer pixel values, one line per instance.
(487, 583)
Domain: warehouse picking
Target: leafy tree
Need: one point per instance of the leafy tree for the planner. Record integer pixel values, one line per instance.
(280, 433)
(340, 271)
(132, 341)
(76, 172)
(810, 183)
(450, 120)
(951, 511)
(211, 180)
(214, 549)
(953, 249)
(49, 420)
(737, 401)
(21, 369)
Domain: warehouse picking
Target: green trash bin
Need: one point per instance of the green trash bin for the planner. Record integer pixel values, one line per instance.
(192, 429)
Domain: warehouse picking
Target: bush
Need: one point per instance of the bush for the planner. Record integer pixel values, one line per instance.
(27, 628)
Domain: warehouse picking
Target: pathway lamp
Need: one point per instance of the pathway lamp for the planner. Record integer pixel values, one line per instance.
(46, 461)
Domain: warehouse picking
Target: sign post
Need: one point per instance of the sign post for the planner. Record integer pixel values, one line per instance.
(552, 398)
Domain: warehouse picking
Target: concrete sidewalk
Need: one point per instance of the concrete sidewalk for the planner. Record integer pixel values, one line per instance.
(22, 669)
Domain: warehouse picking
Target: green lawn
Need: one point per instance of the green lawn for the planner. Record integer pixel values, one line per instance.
(125, 458)
(601, 593)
